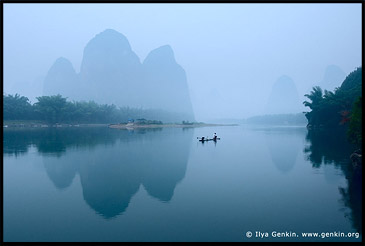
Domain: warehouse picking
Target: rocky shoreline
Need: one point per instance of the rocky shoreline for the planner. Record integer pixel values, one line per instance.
(134, 126)
(356, 159)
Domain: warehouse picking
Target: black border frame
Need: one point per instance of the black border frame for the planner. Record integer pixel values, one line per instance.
(362, 2)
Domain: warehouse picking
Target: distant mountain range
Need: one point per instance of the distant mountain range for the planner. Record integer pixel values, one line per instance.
(333, 77)
(284, 98)
(112, 73)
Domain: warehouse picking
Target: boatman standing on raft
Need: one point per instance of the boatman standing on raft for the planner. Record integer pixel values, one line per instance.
(215, 136)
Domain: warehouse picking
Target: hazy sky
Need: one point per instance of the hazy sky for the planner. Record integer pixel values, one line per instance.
(232, 53)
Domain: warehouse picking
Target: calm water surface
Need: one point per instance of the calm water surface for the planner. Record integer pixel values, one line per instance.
(100, 184)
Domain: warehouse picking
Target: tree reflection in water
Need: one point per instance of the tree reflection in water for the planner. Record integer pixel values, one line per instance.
(330, 147)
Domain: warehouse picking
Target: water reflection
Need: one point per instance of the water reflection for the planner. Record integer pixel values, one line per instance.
(60, 171)
(284, 144)
(330, 147)
(16, 141)
(109, 181)
(112, 164)
(54, 142)
(327, 147)
(164, 164)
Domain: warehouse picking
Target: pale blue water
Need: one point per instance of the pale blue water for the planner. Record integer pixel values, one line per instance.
(100, 184)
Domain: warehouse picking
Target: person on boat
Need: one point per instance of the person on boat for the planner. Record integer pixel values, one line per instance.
(202, 138)
(215, 136)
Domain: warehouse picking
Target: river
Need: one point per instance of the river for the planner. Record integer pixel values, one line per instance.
(100, 184)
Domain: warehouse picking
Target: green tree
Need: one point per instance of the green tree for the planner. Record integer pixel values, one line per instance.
(56, 109)
(354, 132)
(16, 107)
(51, 108)
(333, 109)
(315, 97)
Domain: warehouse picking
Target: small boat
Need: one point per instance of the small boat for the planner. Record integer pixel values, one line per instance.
(209, 139)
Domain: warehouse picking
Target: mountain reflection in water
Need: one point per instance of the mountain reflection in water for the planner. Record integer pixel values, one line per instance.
(119, 163)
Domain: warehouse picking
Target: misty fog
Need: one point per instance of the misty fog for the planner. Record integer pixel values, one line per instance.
(231, 60)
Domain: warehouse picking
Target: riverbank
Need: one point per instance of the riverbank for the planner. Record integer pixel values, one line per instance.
(138, 126)
(43, 124)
